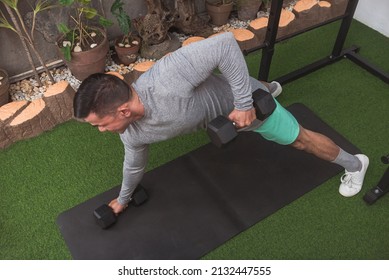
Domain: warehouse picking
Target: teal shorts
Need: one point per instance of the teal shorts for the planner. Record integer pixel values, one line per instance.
(281, 127)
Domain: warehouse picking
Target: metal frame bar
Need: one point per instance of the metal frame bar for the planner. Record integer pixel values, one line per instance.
(337, 51)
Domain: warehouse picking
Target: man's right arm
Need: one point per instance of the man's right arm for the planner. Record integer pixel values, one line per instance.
(134, 164)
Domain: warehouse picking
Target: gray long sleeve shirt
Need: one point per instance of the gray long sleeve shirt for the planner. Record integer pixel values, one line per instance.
(181, 94)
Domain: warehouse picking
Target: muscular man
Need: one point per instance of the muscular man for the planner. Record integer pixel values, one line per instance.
(181, 93)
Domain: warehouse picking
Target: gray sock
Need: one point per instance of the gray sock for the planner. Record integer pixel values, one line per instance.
(350, 162)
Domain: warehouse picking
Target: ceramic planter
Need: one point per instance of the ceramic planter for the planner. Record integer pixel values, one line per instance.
(248, 9)
(127, 55)
(219, 13)
(85, 63)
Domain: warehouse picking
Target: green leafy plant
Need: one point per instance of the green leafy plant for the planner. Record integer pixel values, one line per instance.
(82, 32)
(25, 34)
(122, 18)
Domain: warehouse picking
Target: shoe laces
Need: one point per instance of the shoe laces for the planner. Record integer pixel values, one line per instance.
(346, 178)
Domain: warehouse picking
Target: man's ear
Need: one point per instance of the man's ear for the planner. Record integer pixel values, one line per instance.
(124, 110)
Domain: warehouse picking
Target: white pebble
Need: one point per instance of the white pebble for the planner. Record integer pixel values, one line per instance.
(77, 49)
(66, 43)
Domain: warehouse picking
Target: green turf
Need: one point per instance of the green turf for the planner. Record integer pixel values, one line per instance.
(44, 176)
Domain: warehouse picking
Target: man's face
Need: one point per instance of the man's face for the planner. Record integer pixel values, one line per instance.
(116, 123)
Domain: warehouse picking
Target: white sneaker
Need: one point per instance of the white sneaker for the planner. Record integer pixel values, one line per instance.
(351, 182)
(275, 88)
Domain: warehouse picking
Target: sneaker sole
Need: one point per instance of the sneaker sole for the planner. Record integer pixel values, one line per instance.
(278, 91)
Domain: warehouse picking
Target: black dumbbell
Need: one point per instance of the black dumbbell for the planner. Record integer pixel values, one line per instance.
(104, 215)
(222, 130)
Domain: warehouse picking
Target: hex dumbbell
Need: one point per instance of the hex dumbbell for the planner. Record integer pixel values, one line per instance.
(104, 215)
(221, 130)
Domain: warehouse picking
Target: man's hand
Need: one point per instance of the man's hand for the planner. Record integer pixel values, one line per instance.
(116, 206)
(242, 118)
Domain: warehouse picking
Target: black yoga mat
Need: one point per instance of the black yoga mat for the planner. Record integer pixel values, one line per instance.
(202, 199)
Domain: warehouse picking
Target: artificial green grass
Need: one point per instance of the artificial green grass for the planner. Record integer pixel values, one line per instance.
(46, 175)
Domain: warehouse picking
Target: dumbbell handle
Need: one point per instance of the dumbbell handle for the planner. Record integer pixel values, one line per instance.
(385, 159)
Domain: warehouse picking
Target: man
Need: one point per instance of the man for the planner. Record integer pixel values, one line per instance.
(181, 94)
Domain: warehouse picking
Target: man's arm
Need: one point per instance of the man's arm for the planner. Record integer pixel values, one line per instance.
(134, 164)
(190, 66)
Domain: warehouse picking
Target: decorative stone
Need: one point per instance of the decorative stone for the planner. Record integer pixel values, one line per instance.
(66, 43)
(77, 49)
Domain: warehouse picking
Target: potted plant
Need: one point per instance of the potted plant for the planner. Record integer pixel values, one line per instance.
(4, 86)
(26, 35)
(219, 10)
(83, 44)
(248, 9)
(127, 45)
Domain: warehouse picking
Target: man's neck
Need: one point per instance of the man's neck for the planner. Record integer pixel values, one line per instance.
(136, 106)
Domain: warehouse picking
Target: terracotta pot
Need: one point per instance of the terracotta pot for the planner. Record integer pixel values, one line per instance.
(4, 96)
(219, 14)
(248, 9)
(85, 63)
(127, 55)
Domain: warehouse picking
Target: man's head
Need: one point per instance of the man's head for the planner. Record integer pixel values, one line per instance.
(102, 100)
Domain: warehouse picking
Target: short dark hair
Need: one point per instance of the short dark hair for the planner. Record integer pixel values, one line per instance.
(101, 94)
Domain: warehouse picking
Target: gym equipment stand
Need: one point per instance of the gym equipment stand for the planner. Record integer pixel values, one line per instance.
(382, 186)
(336, 55)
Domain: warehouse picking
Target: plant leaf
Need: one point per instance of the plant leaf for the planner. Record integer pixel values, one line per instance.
(66, 2)
(66, 53)
(63, 28)
(116, 7)
(123, 23)
(11, 3)
(85, 2)
(89, 12)
(105, 22)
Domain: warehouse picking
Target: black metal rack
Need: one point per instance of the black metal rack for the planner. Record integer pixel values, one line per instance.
(337, 52)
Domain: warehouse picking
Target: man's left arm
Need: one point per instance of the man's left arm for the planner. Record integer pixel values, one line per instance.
(194, 63)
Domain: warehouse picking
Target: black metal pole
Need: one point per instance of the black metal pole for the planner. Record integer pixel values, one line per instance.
(344, 27)
(270, 39)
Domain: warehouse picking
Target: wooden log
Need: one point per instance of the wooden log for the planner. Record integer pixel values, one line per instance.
(192, 40)
(7, 113)
(125, 77)
(59, 99)
(30, 122)
(287, 24)
(338, 7)
(325, 11)
(258, 27)
(307, 13)
(11, 109)
(245, 38)
(138, 70)
(115, 74)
